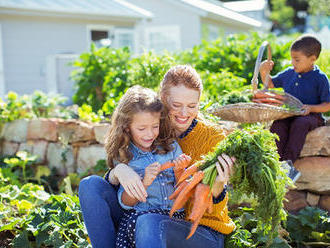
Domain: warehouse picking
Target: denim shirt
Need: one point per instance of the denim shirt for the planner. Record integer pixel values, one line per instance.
(163, 185)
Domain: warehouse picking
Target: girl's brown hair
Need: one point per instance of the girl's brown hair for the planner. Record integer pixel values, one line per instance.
(180, 75)
(136, 99)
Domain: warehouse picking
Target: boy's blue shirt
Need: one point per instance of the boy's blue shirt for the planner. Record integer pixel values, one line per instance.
(162, 187)
(310, 88)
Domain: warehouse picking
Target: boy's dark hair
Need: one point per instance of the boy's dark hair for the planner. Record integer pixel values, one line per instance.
(308, 45)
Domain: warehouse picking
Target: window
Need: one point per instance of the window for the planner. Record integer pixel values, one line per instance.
(109, 36)
(124, 37)
(163, 38)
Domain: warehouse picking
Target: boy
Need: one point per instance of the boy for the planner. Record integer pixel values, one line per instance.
(310, 85)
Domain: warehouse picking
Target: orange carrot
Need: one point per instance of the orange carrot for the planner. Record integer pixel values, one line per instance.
(188, 172)
(202, 194)
(182, 202)
(166, 165)
(178, 190)
(196, 222)
(261, 94)
(210, 204)
(181, 199)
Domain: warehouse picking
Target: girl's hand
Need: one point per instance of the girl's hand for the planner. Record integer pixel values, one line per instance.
(151, 173)
(131, 182)
(224, 172)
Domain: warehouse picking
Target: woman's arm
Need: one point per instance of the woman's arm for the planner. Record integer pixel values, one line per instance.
(151, 173)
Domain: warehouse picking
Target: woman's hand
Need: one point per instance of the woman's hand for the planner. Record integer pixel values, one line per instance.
(151, 173)
(224, 172)
(131, 182)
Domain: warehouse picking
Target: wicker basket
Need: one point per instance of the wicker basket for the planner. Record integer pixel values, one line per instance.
(252, 112)
(258, 112)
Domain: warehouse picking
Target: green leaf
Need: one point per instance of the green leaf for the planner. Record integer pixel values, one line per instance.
(21, 240)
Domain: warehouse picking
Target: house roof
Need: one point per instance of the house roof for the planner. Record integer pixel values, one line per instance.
(216, 9)
(113, 8)
(246, 5)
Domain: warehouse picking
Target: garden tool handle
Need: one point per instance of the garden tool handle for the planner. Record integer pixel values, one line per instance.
(254, 80)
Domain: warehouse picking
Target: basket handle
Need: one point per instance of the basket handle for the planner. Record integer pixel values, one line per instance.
(254, 80)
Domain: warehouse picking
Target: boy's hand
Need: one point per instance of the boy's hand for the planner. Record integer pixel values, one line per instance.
(307, 109)
(151, 173)
(266, 66)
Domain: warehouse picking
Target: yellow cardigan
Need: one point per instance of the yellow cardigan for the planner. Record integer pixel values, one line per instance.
(201, 140)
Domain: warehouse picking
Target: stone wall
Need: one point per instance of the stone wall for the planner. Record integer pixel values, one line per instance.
(73, 146)
(313, 187)
(68, 145)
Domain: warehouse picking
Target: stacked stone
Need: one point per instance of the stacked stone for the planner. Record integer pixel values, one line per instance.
(313, 187)
(67, 145)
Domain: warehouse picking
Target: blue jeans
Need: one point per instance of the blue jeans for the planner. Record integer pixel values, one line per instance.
(102, 214)
(160, 231)
(101, 211)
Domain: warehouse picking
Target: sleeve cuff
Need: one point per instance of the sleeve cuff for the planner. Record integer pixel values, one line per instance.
(221, 196)
(120, 193)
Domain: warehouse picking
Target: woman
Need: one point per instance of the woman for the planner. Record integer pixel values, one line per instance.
(180, 91)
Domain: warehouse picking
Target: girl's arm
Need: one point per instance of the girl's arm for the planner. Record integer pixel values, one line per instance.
(151, 173)
(319, 108)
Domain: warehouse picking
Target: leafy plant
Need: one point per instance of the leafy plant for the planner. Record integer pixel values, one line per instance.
(310, 226)
(21, 160)
(85, 113)
(43, 104)
(101, 74)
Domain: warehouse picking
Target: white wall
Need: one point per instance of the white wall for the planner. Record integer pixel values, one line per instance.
(28, 42)
(167, 13)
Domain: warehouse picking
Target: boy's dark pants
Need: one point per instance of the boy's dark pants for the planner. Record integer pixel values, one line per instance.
(292, 132)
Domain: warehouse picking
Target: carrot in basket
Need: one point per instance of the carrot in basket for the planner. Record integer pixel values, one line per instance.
(268, 101)
(188, 172)
(202, 194)
(261, 94)
(178, 190)
(181, 199)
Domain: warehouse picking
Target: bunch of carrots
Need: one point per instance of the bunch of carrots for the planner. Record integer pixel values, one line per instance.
(257, 173)
(193, 183)
(268, 98)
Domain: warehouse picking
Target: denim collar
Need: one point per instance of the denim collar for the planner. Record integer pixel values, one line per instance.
(190, 128)
(137, 151)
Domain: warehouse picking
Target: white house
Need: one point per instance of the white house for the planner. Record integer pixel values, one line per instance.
(39, 37)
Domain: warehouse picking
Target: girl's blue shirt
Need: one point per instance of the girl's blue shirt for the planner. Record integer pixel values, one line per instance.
(162, 187)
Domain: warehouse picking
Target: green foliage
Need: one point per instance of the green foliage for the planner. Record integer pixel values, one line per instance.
(22, 159)
(247, 234)
(85, 113)
(310, 225)
(148, 69)
(43, 104)
(101, 74)
(14, 107)
(219, 83)
(237, 53)
(282, 14)
(257, 173)
(319, 7)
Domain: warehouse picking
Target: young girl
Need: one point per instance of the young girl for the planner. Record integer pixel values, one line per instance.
(140, 138)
